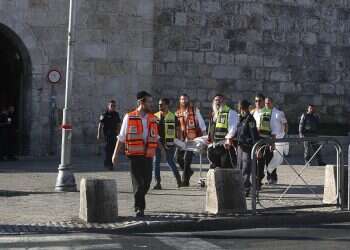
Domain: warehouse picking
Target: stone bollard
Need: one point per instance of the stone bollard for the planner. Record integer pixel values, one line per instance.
(225, 192)
(98, 200)
(330, 185)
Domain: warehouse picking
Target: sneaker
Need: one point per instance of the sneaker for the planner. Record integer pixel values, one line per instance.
(140, 213)
(157, 187)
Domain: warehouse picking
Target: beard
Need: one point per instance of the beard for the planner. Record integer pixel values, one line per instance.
(216, 109)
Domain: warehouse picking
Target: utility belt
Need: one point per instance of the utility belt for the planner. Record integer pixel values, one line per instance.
(216, 144)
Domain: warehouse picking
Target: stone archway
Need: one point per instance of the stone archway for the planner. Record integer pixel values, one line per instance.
(15, 86)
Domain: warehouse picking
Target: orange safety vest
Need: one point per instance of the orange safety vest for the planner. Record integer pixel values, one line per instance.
(188, 125)
(134, 143)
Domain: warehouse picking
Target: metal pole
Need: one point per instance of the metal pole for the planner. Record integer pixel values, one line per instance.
(65, 181)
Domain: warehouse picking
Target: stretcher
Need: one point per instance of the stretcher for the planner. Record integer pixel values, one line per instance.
(197, 146)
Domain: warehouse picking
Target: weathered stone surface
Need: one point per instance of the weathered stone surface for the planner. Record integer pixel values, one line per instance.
(98, 200)
(225, 193)
(330, 185)
(296, 50)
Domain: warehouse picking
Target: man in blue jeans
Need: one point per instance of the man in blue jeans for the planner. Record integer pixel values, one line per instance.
(167, 133)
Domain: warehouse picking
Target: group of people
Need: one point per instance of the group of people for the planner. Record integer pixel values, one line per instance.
(144, 135)
(8, 134)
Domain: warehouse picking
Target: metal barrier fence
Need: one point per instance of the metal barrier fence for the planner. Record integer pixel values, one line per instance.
(343, 196)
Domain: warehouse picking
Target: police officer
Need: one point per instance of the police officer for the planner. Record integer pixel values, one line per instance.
(109, 123)
(222, 128)
(139, 134)
(167, 124)
(246, 136)
(308, 127)
(12, 134)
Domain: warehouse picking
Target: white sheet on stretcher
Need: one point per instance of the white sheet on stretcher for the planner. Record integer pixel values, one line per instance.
(198, 142)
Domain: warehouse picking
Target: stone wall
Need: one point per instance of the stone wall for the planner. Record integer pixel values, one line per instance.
(293, 50)
(297, 51)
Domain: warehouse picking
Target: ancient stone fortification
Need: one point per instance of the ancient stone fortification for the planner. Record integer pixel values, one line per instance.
(297, 51)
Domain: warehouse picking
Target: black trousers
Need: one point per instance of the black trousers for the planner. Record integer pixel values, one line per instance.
(265, 156)
(184, 159)
(309, 149)
(4, 143)
(221, 157)
(110, 140)
(141, 176)
(244, 163)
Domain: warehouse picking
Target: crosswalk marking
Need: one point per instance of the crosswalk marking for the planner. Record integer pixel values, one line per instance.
(187, 243)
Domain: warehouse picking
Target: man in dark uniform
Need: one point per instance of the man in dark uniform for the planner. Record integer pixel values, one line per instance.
(3, 134)
(308, 127)
(12, 134)
(247, 135)
(110, 124)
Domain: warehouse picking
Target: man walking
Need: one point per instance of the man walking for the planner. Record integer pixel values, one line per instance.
(191, 125)
(279, 129)
(262, 116)
(308, 127)
(222, 128)
(167, 132)
(139, 135)
(246, 136)
(109, 124)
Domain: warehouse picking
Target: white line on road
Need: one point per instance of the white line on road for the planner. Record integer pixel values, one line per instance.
(188, 243)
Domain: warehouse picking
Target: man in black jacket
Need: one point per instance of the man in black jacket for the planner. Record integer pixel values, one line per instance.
(308, 127)
(247, 135)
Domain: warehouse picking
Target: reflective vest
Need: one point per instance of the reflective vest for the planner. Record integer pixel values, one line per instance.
(221, 124)
(188, 125)
(169, 127)
(265, 122)
(134, 143)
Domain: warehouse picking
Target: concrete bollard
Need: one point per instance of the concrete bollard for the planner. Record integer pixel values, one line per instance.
(98, 200)
(225, 192)
(330, 185)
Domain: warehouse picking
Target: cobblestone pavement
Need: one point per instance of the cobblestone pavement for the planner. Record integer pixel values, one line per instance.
(28, 198)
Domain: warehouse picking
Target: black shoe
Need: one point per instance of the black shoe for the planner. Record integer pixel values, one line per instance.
(247, 193)
(272, 177)
(157, 186)
(140, 213)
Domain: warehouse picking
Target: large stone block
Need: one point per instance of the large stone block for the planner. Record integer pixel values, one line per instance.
(98, 200)
(330, 185)
(225, 193)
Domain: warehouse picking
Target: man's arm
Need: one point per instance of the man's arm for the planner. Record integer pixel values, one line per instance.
(232, 124)
(201, 122)
(121, 139)
(301, 125)
(99, 129)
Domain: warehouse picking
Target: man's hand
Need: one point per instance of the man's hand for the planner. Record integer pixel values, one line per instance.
(114, 159)
(227, 144)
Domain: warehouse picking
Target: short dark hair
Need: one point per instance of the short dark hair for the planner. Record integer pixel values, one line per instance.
(311, 105)
(184, 95)
(269, 97)
(165, 100)
(260, 96)
(112, 101)
(142, 95)
(244, 104)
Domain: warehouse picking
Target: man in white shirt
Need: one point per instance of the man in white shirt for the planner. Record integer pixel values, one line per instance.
(191, 125)
(222, 128)
(262, 116)
(139, 135)
(279, 128)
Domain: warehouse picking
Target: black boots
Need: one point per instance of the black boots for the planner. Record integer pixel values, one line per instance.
(157, 186)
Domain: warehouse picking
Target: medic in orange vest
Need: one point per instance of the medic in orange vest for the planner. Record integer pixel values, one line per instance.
(139, 133)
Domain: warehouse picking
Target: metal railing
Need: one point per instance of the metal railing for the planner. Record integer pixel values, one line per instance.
(341, 187)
